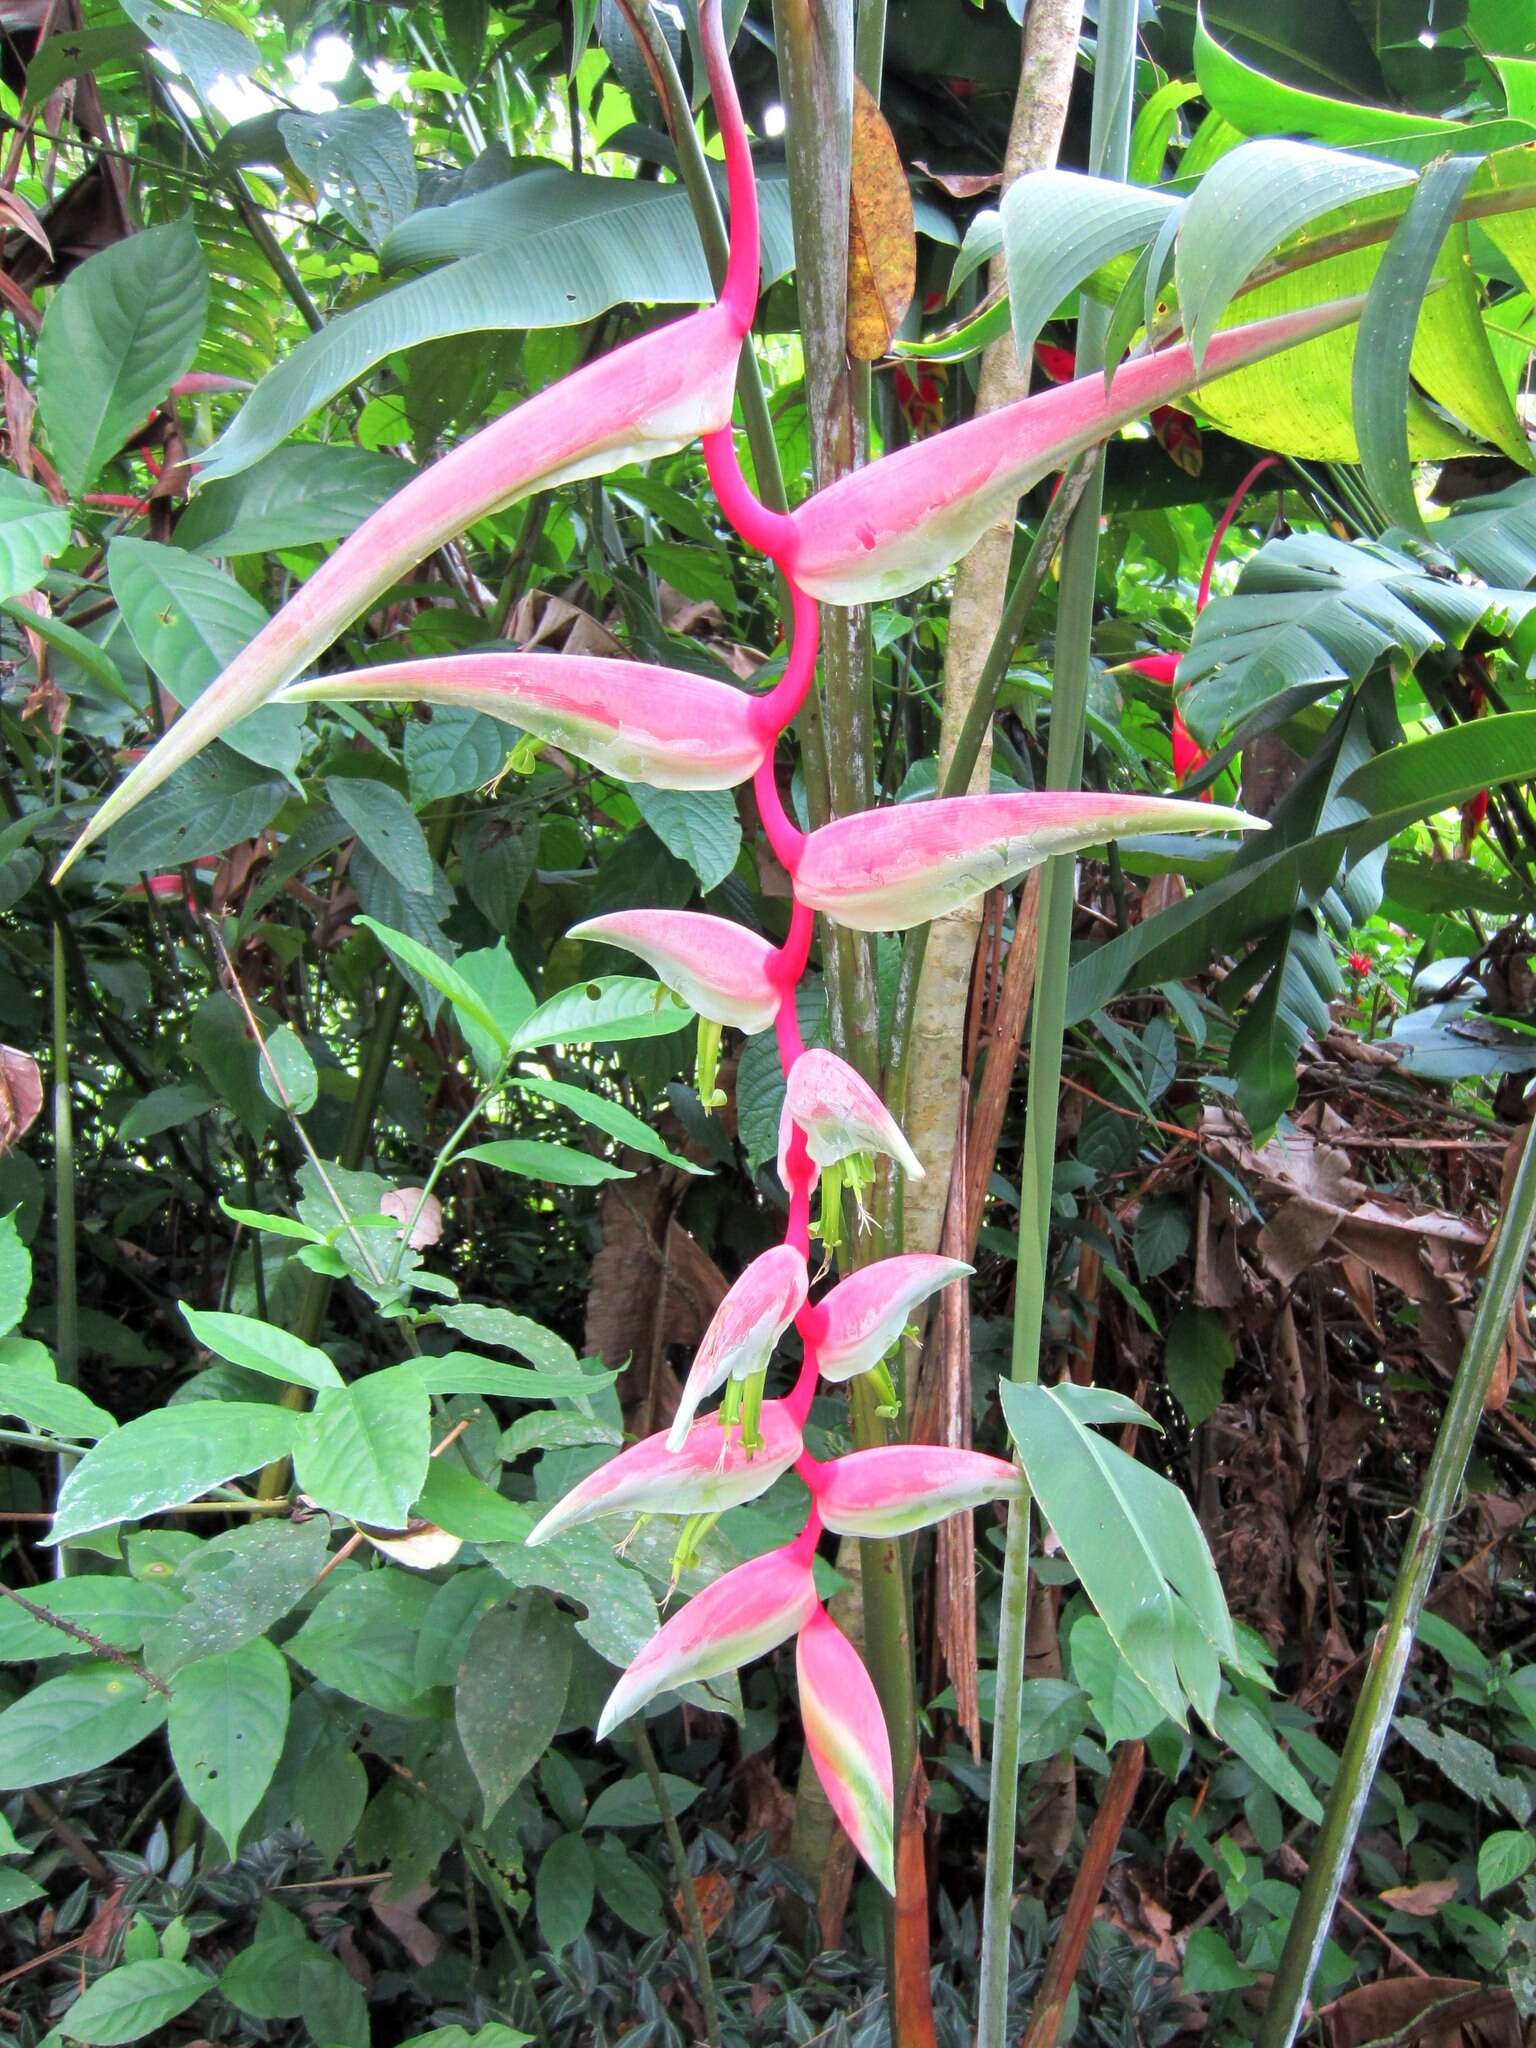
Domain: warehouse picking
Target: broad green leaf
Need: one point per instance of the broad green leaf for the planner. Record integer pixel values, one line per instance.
(1210, 1966)
(1244, 1729)
(363, 1450)
(467, 1507)
(236, 1586)
(1156, 119)
(1058, 228)
(440, 973)
(626, 1889)
(361, 1638)
(361, 161)
(261, 1347)
(1258, 104)
(164, 1109)
(1471, 1767)
(557, 251)
(603, 1012)
(287, 1074)
(67, 1726)
(631, 1803)
(32, 528)
(15, 1274)
(700, 826)
(118, 333)
(387, 826)
(204, 50)
(510, 1695)
(135, 2000)
(509, 1331)
(1121, 1704)
(331, 1793)
(78, 647)
(564, 1890)
(498, 981)
(1504, 1857)
(301, 494)
(31, 1389)
(100, 52)
(167, 1458)
(1246, 205)
(189, 620)
(214, 802)
(1198, 1358)
(1388, 324)
(462, 1372)
(610, 1117)
(228, 1718)
(117, 1611)
(560, 1164)
(262, 1981)
(454, 750)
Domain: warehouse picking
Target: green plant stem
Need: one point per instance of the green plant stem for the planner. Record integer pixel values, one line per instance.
(1372, 1720)
(698, 1940)
(1113, 101)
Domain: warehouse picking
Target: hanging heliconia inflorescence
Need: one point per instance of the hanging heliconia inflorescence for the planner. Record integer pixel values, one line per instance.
(879, 532)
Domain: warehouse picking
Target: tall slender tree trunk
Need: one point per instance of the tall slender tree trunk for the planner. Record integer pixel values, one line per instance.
(981, 590)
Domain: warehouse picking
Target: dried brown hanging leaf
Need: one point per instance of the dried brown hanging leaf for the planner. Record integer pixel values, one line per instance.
(882, 243)
(21, 1095)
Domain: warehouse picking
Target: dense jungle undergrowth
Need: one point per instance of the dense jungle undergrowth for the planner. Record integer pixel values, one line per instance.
(356, 1207)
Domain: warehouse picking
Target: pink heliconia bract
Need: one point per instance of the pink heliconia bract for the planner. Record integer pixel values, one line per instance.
(712, 1472)
(855, 1325)
(886, 870)
(754, 1315)
(840, 1115)
(649, 397)
(631, 719)
(720, 969)
(744, 1614)
(850, 1746)
(899, 522)
(900, 1487)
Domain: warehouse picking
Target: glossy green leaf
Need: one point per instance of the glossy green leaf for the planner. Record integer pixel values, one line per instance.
(1502, 1858)
(1388, 324)
(1058, 228)
(361, 1638)
(700, 826)
(301, 494)
(189, 620)
(562, 1165)
(134, 2001)
(361, 162)
(564, 1890)
(1246, 205)
(118, 1611)
(510, 1695)
(167, 1458)
(441, 974)
(118, 333)
(1258, 104)
(15, 1273)
(363, 1450)
(214, 802)
(1197, 1360)
(228, 1718)
(31, 1390)
(608, 1116)
(604, 1012)
(32, 528)
(67, 1726)
(1244, 1729)
(387, 826)
(236, 1586)
(204, 50)
(261, 1347)
(631, 1803)
(509, 1331)
(287, 1074)
(462, 1372)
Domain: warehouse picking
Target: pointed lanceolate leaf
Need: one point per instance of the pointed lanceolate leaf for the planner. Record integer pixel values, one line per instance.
(897, 523)
(708, 1474)
(754, 1315)
(745, 1614)
(630, 718)
(840, 1115)
(896, 1488)
(887, 870)
(855, 1325)
(721, 970)
(846, 1735)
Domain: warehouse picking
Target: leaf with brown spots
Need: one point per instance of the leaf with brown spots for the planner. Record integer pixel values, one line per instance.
(21, 1095)
(882, 243)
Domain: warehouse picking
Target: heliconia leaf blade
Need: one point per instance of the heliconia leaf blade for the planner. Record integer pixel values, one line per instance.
(897, 1488)
(899, 522)
(859, 1321)
(710, 1473)
(846, 1735)
(890, 869)
(632, 719)
(743, 1615)
(721, 970)
(754, 1315)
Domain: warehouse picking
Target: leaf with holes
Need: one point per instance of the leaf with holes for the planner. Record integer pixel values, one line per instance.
(361, 162)
(228, 1718)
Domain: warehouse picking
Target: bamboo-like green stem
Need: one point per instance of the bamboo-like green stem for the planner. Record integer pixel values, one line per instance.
(698, 1939)
(1372, 1720)
(1113, 101)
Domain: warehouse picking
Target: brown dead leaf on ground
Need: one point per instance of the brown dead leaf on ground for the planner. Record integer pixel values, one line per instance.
(1425, 2012)
(21, 1095)
(1422, 1901)
(882, 243)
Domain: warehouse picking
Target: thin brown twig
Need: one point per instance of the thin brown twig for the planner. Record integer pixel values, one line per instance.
(84, 1635)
